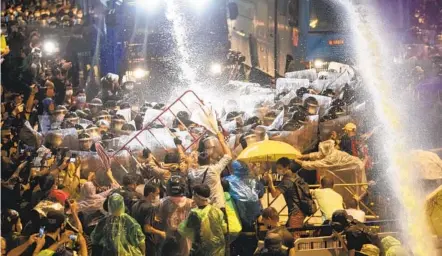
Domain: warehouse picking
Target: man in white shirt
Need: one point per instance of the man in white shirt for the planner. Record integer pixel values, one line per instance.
(211, 174)
(352, 209)
(327, 199)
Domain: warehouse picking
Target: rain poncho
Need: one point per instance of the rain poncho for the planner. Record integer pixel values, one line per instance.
(232, 215)
(118, 233)
(211, 231)
(393, 247)
(343, 167)
(245, 192)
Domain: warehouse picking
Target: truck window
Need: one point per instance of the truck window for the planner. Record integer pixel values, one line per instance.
(327, 16)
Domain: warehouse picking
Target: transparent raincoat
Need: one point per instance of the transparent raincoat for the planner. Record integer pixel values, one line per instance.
(118, 233)
(342, 167)
(245, 191)
(206, 233)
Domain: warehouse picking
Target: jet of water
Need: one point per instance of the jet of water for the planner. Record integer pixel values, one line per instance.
(374, 49)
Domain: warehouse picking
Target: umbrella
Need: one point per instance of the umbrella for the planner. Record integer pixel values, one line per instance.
(433, 207)
(268, 150)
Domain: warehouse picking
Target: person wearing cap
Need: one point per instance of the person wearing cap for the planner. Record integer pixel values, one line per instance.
(174, 209)
(356, 233)
(205, 225)
(349, 142)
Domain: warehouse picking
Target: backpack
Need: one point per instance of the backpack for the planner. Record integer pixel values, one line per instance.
(306, 202)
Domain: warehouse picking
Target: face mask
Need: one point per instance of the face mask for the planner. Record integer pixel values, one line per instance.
(59, 118)
(81, 99)
(69, 92)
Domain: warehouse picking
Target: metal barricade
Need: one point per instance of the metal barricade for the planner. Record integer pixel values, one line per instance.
(319, 246)
(188, 97)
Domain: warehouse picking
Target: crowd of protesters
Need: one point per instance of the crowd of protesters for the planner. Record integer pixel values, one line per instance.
(187, 204)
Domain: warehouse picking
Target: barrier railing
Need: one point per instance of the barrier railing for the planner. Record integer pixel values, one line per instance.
(185, 97)
(371, 214)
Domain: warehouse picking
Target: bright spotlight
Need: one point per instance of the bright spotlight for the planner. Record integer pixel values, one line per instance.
(216, 69)
(319, 63)
(49, 47)
(139, 73)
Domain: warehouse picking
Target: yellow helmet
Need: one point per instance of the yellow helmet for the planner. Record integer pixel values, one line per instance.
(349, 127)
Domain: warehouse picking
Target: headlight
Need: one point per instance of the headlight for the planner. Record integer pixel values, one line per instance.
(139, 73)
(318, 64)
(50, 47)
(216, 69)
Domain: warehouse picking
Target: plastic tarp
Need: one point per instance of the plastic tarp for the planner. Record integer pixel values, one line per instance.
(290, 84)
(309, 74)
(323, 101)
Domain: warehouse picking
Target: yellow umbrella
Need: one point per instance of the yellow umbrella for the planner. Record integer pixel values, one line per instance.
(433, 207)
(267, 150)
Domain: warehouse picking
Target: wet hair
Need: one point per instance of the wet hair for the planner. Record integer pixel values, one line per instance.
(284, 162)
(150, 188)
(270, 213)
(146, 152)
(129, 179)
(203, 159)
(327, 182)
(202, 190)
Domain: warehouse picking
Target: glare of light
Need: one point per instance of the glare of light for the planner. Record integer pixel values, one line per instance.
(216, 68)
(318, 63)
(49, 47)
(139, 73)
(313, 23)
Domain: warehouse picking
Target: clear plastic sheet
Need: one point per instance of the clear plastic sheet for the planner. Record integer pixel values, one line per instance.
(290, 84)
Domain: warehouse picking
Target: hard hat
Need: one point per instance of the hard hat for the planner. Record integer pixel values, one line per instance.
(349, 127)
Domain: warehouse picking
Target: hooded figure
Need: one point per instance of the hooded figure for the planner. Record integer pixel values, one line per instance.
(118, 233)
(245, 191)
(393, 247)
